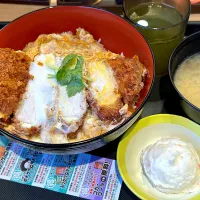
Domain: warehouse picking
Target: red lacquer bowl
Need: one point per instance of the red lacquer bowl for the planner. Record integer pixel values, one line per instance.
(116, 34)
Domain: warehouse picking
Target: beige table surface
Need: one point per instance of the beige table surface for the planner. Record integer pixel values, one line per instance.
(9, 12)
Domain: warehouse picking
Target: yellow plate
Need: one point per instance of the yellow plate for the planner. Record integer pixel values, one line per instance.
(147, 131)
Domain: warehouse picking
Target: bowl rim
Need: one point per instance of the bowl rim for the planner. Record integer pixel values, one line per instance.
(182, 44)
(74, 144)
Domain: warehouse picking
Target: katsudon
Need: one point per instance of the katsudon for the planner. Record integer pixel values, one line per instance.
(67, 87)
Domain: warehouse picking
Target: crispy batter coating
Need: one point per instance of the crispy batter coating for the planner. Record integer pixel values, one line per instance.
(106, 112)
(14, 76)
(129, 74)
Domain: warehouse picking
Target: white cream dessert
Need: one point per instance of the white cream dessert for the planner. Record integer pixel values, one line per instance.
(171, 166)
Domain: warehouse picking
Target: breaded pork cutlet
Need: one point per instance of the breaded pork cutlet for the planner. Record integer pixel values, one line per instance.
(14, 76)
(46, 107)
(115, 84)
(129, 74)
(103, 95)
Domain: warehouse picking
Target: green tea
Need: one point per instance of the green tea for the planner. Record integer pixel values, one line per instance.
(155, 15)
(157, 23)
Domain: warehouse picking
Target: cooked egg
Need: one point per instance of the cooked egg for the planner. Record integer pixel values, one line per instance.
(50, 60)
(70, 110)
(46, 105)
(103, 84)
(40, 96)
(171, 166)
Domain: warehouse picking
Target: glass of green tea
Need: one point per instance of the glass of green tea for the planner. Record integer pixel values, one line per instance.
(163, 24)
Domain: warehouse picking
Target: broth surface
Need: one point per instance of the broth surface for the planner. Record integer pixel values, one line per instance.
(187, 79)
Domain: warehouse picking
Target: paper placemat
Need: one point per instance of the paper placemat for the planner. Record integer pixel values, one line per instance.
(81, 175)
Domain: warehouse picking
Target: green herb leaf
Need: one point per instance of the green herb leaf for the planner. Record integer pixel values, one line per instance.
(70, 74)
(75, 85)
(63, 77)
(67, 59)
